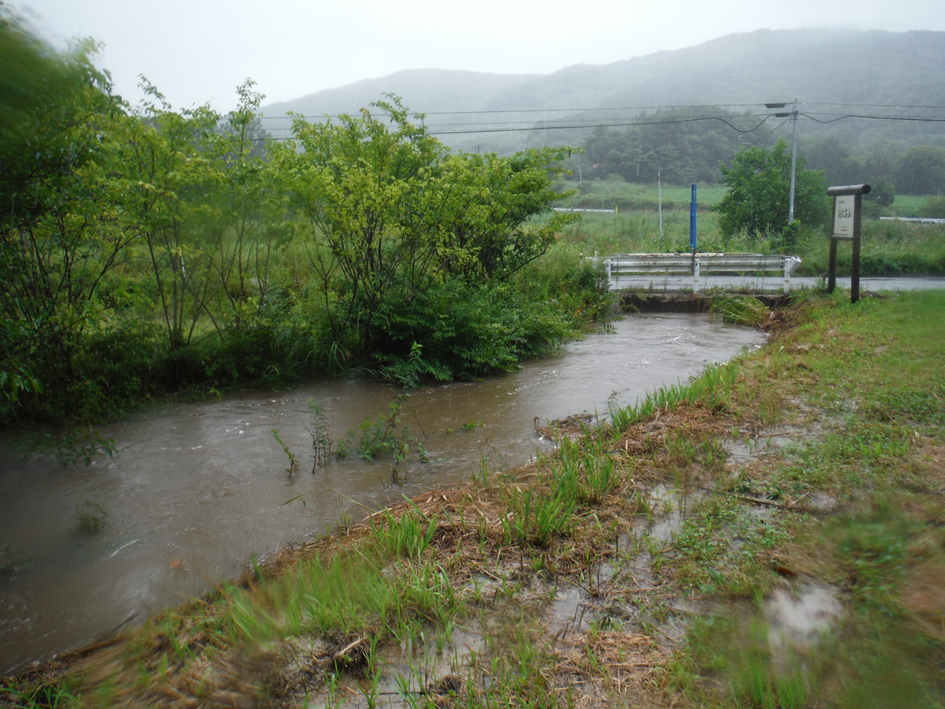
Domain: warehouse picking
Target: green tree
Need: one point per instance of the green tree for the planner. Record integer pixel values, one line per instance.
(200, 194)
(249, 218)
(922, 170)
(934, 207)
(881, 161)
(392, 216)
(680, 145)
(882, 192)
(169, 182)
(758, 198)
(59, 232)
(840, 166)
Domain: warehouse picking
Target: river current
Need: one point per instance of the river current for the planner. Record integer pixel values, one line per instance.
(196, 491)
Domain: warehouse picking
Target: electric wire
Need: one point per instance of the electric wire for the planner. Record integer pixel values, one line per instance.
(877, 118)
(622, 124)
(561, 123)
(601, 109)
(751, 145)
(531, 128)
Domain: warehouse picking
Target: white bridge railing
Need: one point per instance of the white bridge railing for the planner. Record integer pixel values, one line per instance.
(693, 267)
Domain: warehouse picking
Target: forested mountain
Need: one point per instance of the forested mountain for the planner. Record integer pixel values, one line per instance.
(824, 69)
(848, 84)
(434, 91)
(437, 89)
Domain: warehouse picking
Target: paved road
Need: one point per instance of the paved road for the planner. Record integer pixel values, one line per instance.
(770, 283)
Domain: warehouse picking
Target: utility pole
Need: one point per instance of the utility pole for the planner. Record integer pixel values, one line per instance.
(659, 196)
(790, 218)
(793, 116)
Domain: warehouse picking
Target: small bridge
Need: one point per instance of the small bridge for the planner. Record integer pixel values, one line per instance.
(694, 271)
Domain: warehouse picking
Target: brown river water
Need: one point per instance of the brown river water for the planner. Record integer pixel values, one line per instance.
(196, 491)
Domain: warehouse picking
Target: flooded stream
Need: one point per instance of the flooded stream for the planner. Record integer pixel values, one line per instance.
(196, 491)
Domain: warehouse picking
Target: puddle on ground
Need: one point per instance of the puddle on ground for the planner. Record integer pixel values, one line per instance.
(799, 616)
(569, 613)
(751, 446)
(790, 436)
(637, 566)
(820, 501)
(424, 669)
(605, 573)
(670, 508)
(408, 673)
(678, 620)
(744, 450)
(413, 668)
(740, 451)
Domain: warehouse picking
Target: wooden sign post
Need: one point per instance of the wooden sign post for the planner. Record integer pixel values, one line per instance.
(847, 202)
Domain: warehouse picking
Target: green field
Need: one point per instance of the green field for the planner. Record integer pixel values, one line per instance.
(632, 196)
(889, 248)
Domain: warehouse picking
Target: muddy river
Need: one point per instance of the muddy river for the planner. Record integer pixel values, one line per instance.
(196, 491)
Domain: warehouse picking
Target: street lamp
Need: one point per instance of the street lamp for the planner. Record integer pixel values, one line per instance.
(793, 115)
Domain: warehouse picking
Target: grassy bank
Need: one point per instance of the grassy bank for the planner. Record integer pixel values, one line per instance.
(662, 558)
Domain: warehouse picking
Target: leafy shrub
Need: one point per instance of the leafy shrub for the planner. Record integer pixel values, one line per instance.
(882, 193)
(466, 332)
(934, 208)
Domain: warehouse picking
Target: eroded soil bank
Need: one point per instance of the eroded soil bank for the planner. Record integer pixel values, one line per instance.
(769, 535)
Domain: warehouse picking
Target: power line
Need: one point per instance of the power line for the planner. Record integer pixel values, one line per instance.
(876, 118)
(531, 127)
(502, 111)
(879, 105)
(622, 124)
(518, 127)
(766, 135)
(600, 109)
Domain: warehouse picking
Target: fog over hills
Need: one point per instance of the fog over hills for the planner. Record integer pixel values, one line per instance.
(831, 72)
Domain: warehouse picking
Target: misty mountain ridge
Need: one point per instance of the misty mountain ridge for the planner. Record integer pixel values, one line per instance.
(826, 70)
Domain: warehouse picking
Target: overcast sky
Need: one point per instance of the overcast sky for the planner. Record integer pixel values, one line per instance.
(198, 51)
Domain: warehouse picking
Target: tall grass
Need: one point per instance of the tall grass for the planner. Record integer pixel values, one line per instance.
(345, 596)
(740, 309)
(585, 468)
(535, 517)
(711, 388)
(512, 673)
(407, 535)
(759, 683)
(888, 248)
(580, 472)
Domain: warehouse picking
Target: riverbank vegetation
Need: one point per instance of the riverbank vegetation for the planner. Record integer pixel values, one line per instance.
(148, 251)
(768, 534)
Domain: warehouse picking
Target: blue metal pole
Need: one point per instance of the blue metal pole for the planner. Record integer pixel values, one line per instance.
(692, 220)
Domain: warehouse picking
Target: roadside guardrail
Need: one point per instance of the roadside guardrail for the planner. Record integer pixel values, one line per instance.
(698, 265)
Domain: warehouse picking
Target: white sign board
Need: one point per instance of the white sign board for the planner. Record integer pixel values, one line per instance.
(843, 206)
